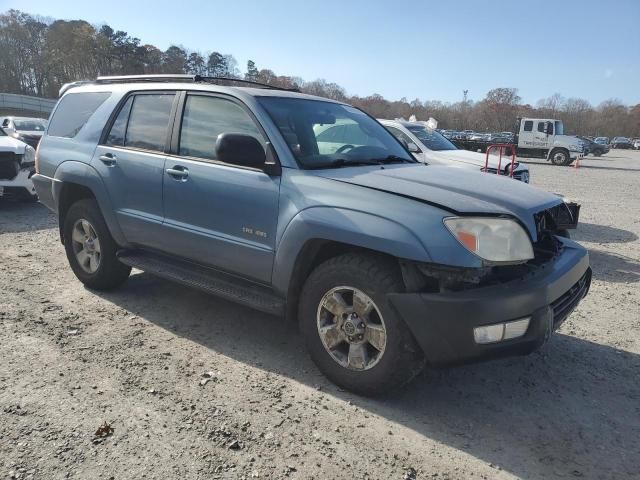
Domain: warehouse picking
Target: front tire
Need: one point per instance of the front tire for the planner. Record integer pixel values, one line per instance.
(560, 157)
(91, 250)
(352, 334)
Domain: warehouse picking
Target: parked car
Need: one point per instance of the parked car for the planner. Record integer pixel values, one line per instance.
(621, 142)
(591, 147)
(477, 136)
(429, 147)
(636, 144)
(602, 140)
(385, 263)
(29, 130)
(467, 133)
(17, 166)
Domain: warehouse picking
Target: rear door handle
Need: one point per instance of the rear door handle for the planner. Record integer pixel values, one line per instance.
(109, 159)
(178, 172)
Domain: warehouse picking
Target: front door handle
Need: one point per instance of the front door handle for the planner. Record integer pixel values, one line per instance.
(178, 172)
(109, 159)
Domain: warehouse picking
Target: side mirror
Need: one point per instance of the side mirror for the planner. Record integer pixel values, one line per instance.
(412, 147)
(240, 149)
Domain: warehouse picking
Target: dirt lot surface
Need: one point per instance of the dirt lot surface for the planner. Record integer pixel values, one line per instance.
(196, 387)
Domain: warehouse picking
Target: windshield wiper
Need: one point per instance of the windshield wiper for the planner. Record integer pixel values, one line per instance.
(343, 162)
(391, 159)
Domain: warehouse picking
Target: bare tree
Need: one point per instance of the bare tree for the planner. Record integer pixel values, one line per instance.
(38, 55)
(503, 104)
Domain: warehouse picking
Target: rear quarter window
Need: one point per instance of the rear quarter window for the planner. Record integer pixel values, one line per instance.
(73, 112)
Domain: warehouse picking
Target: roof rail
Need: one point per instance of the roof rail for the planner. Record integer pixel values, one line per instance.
(198, 78)
(185, 78)
(145, 78)
(69, 85)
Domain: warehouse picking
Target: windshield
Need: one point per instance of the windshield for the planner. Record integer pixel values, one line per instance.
(324, 134)
(31, 125)
(432, 139)
(559, 128)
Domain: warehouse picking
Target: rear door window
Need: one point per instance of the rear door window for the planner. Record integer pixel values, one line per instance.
(119, 128)
(541, 126)
(149, 121)
(73, 112)
(528, 126)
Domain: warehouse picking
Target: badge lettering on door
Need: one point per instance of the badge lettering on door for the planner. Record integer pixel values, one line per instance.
(252, 231)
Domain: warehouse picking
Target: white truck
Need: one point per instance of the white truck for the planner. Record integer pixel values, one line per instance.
(545, 138)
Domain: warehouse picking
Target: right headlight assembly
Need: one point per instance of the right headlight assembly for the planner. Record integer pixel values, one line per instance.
(500, 240)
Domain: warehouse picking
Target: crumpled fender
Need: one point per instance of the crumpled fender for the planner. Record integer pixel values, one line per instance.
(352, 227)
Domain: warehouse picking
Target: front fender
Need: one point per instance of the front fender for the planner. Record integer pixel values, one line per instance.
(342, 225)
(85, 175)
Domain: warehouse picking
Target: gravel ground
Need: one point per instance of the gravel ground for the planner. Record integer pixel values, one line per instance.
(196, 387)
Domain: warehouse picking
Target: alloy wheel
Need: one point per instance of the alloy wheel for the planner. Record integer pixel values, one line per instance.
(351, 328)
(86, 245)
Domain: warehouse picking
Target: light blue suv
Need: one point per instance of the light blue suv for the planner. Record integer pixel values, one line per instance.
(386, 263)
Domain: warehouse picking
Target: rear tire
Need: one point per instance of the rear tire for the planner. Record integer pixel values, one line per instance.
(90, 248)
(356, 279)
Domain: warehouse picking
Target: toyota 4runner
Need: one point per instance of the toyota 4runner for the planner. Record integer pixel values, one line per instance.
(387, 264)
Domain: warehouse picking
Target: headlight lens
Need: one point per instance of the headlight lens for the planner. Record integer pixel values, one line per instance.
(493, 239)
(29, 155)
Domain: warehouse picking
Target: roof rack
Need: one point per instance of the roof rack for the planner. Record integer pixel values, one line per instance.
(186, 78)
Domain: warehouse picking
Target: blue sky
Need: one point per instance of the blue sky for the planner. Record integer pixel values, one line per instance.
(424, 49)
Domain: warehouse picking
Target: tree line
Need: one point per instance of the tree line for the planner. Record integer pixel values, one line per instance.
(38, 55)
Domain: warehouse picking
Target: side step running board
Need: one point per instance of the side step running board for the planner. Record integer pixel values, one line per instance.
(205, 279)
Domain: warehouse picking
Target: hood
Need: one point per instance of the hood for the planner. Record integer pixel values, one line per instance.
(459, 191)
(10, 144)
(466, 157)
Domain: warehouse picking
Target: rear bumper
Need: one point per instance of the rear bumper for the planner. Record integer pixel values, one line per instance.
(443, 323)
(45, 188)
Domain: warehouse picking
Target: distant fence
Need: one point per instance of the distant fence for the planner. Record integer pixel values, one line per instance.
(24, 104)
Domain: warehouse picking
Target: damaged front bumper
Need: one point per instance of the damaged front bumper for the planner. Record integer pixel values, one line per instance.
(20, 186)
(443, 323)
